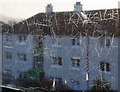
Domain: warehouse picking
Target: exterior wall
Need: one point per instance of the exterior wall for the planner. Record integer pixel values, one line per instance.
(15, 65)
(38, 52)
(66, 51)
(96, 54)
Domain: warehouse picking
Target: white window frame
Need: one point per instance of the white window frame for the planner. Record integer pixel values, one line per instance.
(57, 41)
(105, 66)
(22, 57)
(103, 42)
(75, 84)
(76, 61)
(77, 42)
(23, 38)
(8, 55)
(107, 39)
(56, 63)
(8, 37)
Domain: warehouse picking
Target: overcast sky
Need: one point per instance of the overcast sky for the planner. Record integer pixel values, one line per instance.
(28, 8)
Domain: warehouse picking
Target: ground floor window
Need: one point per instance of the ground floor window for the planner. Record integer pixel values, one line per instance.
(75, 84)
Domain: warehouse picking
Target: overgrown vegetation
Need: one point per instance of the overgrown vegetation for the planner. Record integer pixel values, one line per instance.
(34, 74)
(100, 85)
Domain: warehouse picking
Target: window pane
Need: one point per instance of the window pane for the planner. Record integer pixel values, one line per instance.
(78, 41)
(107, 67)
(54, 60)
(73, 41)
(102, 41)
(53, 41)
(20, 38)
(78, 63)
(25, 57)
(24, 38)
(75, 62)
(60, 61)
(107, 42)
(102, 66)
(59, 41)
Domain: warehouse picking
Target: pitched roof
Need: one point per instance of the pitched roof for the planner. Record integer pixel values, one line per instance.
(94, 23)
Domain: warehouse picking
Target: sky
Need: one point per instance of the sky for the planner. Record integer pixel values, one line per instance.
(27, 8)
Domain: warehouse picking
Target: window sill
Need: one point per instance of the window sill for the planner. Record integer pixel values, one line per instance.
(106, 72)
(8, 43)
(7, 46)
(74, 68)
(21, 61)
(56, 66)
(75, 47)
(58, 46)
(21, 43)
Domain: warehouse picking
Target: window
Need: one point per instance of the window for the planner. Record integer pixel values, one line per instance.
(105, 66)
(75, 62)
(22, 57)
(8, 72)
(57, 61)
(8, 38)
(75, 84)
(76, 41)
(102, 66)
(102, 41)
(22, 38)
(57, 80)
(8, 55)
(57, 41)
(105, 42)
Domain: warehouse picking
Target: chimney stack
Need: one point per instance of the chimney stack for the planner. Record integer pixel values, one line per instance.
(49, 9)
(78, 7)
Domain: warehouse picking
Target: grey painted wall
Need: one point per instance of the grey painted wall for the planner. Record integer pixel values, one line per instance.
(96, 54)
(15, 65)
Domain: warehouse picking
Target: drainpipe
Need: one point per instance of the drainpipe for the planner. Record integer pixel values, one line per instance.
(87, 70)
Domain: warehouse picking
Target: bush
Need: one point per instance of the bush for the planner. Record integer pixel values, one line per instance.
(100, 85)
(34, 74)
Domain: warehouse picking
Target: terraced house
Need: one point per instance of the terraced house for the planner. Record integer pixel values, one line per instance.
(79, 47)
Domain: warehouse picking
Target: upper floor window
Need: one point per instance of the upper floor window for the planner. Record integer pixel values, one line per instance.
(7, 72)
(8, 55)
(57, 61)
(105, 66)
(105, 41)
(75, 62)
(22, 38)
(57, 41)
(8, 37)
(22, 57)
(76, 42)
